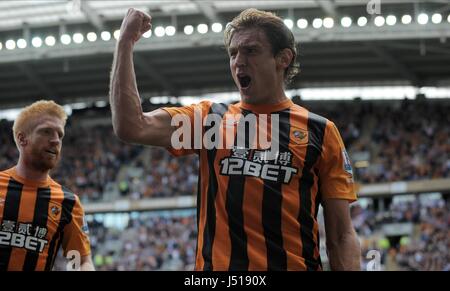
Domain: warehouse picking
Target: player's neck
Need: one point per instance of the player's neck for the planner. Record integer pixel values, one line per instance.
(266, 100)
(29, 173)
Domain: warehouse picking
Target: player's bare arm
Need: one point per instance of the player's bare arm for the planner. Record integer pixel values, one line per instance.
(130, 123)
(343, 247)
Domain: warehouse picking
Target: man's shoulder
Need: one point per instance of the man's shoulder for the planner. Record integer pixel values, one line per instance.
(210, 107)
(6, 171)
(213, 107)
(312, 117)
(65, 192)
(315, 118)
(204, 106)
(5, 174)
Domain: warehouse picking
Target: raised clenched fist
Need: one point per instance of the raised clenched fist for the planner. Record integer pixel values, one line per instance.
(134, 25)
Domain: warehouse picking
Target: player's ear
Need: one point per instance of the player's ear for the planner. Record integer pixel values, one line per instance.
(22, 139)
(284, 58)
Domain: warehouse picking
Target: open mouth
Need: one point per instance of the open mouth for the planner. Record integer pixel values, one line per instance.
(244, 81)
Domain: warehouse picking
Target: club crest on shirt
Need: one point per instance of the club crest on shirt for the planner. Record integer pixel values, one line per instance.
(299, 135)
(54, 211)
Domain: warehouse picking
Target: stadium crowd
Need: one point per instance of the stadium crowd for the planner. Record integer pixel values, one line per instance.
(147, 243)
(394, 141)
(167, 242)
(401, 142)
(159, 174)
(425, 247)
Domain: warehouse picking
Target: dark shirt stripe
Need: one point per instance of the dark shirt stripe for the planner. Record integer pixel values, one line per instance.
(272, 205)
(234, 206)
(66, 217)
(10, 213)
(210, 224)
(39, 219)
(316, 131)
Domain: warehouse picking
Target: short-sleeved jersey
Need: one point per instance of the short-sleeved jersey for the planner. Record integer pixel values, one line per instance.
(36, 219)
(258, 211)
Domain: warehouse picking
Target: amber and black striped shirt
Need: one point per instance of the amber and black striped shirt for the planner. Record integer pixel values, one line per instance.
(36, 219)
(256, 213)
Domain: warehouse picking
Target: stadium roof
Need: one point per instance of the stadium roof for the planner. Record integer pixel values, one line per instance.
(183, 57)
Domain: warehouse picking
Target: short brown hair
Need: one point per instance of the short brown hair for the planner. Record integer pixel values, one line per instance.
(279, 36)
(27, 117)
